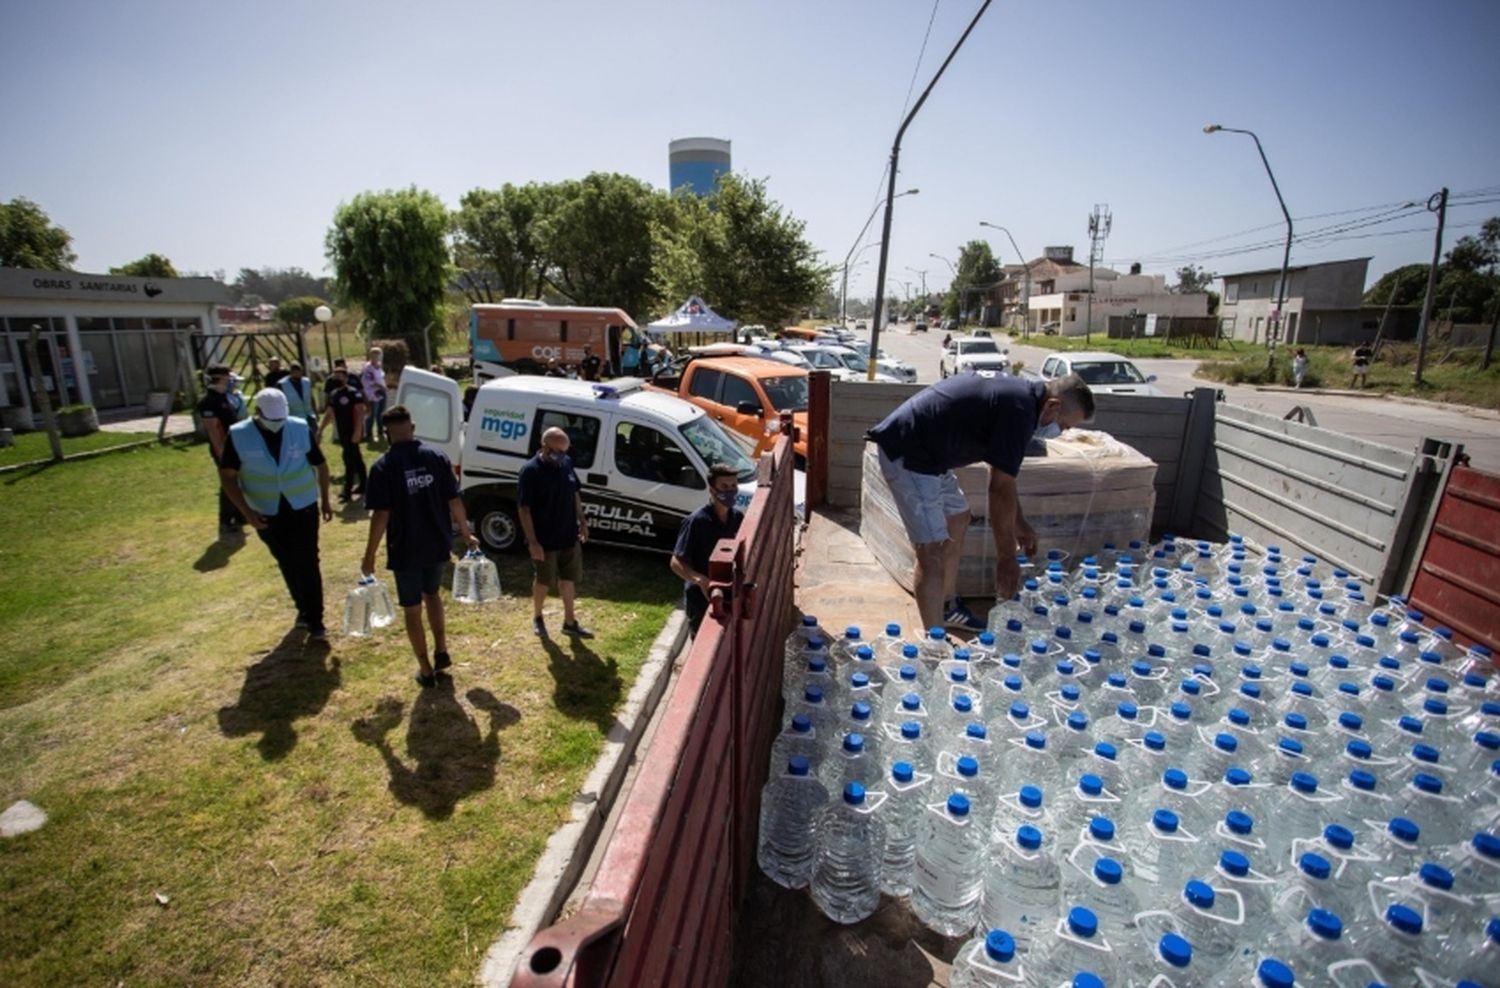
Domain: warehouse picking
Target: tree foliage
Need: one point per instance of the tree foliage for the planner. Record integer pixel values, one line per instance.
(276, 285)
(150, 266)
(1191, 278)
(499, 246)
(298, 313)
(1408, 282)
(977, 271)
(389, 252)
(597, 237)
(1467, 289)
(29, 238)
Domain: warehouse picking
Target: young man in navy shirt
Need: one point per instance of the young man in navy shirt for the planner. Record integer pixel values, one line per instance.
(412, 494)
(968, 418)
(700, 532)
(551, 512)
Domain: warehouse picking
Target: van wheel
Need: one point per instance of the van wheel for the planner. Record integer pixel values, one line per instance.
(496, 525)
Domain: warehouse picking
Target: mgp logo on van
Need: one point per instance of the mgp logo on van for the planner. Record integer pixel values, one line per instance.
(504, 422)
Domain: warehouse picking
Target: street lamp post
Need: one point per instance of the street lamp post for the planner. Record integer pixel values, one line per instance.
(322, 314)
(1286, 253)
(844, 289)
(953, 285)
(924, 284)
(1026, 301)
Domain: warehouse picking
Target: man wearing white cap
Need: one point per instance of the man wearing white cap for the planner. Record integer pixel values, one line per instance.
(276, 476)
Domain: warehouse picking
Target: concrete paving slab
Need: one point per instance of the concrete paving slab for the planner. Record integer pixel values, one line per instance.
(839, 581)
(21, 817)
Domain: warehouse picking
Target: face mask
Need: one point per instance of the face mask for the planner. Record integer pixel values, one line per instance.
(726, 498)
(273, 424)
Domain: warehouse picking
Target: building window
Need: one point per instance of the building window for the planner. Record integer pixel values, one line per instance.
(1231, 292)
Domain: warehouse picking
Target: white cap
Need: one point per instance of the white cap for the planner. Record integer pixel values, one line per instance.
(270, 403)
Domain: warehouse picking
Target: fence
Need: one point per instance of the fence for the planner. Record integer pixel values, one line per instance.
(662, 907)
(246, 353)
(1191, 331)
(1458, 580)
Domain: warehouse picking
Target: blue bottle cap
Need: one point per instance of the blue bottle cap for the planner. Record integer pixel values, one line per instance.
(1403, 829)
(1410, 724)
(1019, 710)
(864, 653)
(961, 655)
(1201, 650)
(1087, 979)
(1325, 924)
(1156, 651)
(1239, 822)
(902, 771)
(911, 730)
(1090, 784)
(1437, 685)
(1108, 871)
(1336, 661)
(976, 731)
(909, 673)
(911, 701)
(1191, 687)
(1091, 655)
(963, 703)
(860, 711)
(1199, 893)
(1116, 680)
(1181, 711)
(854, 742)
(1083, 922)
(1251, 690)
(1155, 740)
(1424, 753)
(812, 695)
(1299, 669)
(1289, 746)
(859, 680)
(1384, 684)
(1436, 875)
(1234, 863)
(937, 634)
(1039, 647)
(1427, 783)
(815, 643)
(1437, 707)
(1031, 796)
(1203, 670)
(1274, 974)
(1359, 749)
(1013, 624)
(798, 765)
(968, 766)
(1070, 692)
(893, 630)
(958, 674)
(1389, 662)
(1362, 780)
(801, 723)
(1314, 865)
(1250, 671)
(1486, 844)
(1164, 820)
(1102, 828)
(1238, 717)
(1226, 742)
(986, 638)
(909, 651)
(1013, 683)
(1106, 751)
(1338, 836)
(1487, 739)
(958, 804)
(817, 664)
(1141, 667)
(1237, 776)
(1404, 918)
(1351, 721)
(1127, 710)
(854, 794)
(1036, 740)
(1028, 837)
(1063, 631)
(808, 621)
(1349, 689)
(1174, 778)
(1077, 721)
(1304, 782)
(999, 946)
(1302, 689)
(1281, 645)
(1175, 950)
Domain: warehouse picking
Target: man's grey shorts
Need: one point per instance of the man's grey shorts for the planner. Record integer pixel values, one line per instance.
(925, 501)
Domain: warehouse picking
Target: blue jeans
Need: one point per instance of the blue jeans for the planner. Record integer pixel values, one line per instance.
(372, 418)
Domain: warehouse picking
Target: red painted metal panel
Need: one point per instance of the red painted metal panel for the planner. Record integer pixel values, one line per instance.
(1458, 579)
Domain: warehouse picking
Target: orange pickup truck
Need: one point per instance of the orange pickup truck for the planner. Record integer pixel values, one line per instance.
(746, 395)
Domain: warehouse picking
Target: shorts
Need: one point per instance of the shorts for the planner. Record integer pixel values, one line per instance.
(560, 564)
(925, 501)
(413, 584)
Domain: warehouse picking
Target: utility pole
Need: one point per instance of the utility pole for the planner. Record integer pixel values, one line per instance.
(1099, 224)
(1437, 203)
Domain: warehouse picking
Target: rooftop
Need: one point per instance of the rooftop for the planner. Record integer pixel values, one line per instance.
(1295, 267)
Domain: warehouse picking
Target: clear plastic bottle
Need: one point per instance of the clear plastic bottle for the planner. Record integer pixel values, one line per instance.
(1024, 806)
(1082, 802)
(851, 845)
(357, 622)
(935, 648)
(1021, 887)
(818, 710)
(1472, 953)
(851, 762)
(909, 707)
(1162, 852)
(1301, 811)
(1169, 964)
(1477, 867)
(988, 961)
(791, 804)
(1027, 758)
(1212, 919)
(908, 743)
(796, 663)
(1113, 902)
(465, 588)
(887, 645)
(841, 651)
(1398, 847)
(382, 609)
(814, 672)
(1311, 886)
(797, 738)
(1256, 888)
(1075, 947)
(805, 632)
(1439, 813)
(948, 878)
(1431, 892)
(901, 813)
(1397, 945)
(1103, 760)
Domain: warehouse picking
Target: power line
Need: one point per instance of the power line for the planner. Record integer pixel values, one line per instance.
(1308, 235)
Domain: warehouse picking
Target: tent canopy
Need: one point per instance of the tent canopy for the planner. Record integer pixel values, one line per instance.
(692, 316)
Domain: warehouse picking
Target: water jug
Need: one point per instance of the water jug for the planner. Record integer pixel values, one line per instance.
(1021, 887)
(357, 621)
(851, 846)
(948, 879)
(988, 961)
(790, 805)
(901, 813)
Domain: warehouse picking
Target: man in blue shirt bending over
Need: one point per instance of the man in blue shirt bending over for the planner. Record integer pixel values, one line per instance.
(968, 418)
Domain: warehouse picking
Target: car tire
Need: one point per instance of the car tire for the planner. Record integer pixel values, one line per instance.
(497, 525)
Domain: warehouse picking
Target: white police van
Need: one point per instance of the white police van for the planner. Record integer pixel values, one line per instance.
(642, 456)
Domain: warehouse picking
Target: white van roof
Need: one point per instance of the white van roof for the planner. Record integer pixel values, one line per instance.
(628, 392)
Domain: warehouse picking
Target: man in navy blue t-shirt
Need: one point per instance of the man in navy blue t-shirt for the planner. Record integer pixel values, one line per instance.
(700, 532)
(551, 513)
(968, 418)
(412, 494)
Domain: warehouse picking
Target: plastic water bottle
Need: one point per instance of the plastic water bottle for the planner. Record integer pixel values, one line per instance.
(1021, 887)
(1169, 964)
(805, 632)
(817, 709)
(1439, 813)
(850, 763)
(1112, 900)
(887, 645)
(1027, 758)
(841, 652)
(475, 579)
(1398, 847)
(1303, 809)
(935, 648)
(382, 609)
(907, 788)
(1396, 944)
(1472, 954)
(794, 667)
(1083, 802)
(1162, 852)
(814, 672)
(357, 621)
(908, 743)
(1024, 806)
(1103, 760)
(486, 578)
(1256, 889)
(1431, 892)
(798, 738)
(1311, 887)
(948, 879)
(1478, 869)
(909, 708)
(851, 845)
(1076, 946)
(791, 804)
(988, 961)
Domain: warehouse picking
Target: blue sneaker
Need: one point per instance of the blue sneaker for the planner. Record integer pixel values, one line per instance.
(959, 616)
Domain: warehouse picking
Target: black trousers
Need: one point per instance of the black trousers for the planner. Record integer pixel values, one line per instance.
(354, 465)
(229, 515)
(292, 537)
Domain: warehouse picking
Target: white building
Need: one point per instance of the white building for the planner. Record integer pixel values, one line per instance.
(1115, 294)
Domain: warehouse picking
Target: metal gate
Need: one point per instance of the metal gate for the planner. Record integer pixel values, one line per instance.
(662, 907)
(247, 353)
(1458, 580)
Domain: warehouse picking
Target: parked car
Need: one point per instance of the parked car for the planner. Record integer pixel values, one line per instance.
(885, 363)
(920, 327)
(1106, 372)
(860, 326)
(971, 353)
(950, 325)
(842, 362)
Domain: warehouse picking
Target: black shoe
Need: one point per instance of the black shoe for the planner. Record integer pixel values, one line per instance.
(426, 680)
(576, 630)
(343, 497)
(538, 627)
(301, 623)
(441, 661)
(317, 635)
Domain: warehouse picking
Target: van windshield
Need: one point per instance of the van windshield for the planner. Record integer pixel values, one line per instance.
(715, 446)
(787, 394)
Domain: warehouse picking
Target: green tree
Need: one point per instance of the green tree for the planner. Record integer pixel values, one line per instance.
(276, 285)
(597, 240)
(150, 266)
(28, 239)
(499, 242)
(298, 313)
(1408, 282)
(389, 252)
(977, 272)
(1463, 295)
(1192, 278)
(741, 252)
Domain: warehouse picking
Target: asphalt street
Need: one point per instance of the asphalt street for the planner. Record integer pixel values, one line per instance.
(1390, 421)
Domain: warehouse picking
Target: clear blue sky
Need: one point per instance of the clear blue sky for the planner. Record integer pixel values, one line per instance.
(225, 135)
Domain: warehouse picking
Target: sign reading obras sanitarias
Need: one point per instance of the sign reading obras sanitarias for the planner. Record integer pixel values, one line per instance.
(26, 284)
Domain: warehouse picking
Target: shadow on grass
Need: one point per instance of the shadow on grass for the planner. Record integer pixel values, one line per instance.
(452, 758)
(217, 555)
(28, 472)
(292, 680)
(587, 687)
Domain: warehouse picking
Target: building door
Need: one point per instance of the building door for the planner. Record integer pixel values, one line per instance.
(46, 361)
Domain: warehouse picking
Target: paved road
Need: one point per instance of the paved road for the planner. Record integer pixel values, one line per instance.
(1394, 423)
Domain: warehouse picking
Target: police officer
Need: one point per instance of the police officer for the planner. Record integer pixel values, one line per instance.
(218, 411)
(345, 409)
(275, 476)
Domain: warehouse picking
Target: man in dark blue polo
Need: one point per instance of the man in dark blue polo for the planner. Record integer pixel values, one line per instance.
(700, 532)
(551, 513)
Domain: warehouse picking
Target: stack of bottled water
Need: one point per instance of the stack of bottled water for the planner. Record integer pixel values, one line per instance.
(1181, 764)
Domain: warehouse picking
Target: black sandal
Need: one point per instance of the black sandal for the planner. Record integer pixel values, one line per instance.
(426, 681)
(441, 661)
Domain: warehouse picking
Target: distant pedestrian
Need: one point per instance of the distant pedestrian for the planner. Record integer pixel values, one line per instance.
(275, 373)
(700, 532)
(372, 385)
(551, 513)
(218, 411)
(276, 477)
(299, 394)
(470, 393)
(345, 410)
(555, 368)
(413, 496)
(1299, 367)
(588, 367)
(339, 364)
(1362, 357)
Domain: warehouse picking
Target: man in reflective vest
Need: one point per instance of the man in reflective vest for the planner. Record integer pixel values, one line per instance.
(276, 477)
(299, 396)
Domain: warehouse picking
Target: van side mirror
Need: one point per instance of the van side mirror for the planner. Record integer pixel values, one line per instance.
(750, 408)
(1150, 378)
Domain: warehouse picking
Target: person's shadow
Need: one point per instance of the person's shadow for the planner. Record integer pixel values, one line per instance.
(452, 759)
(292, 680)
(217, 555)
(586, 686)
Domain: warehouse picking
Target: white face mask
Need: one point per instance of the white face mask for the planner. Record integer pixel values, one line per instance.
(273, 424)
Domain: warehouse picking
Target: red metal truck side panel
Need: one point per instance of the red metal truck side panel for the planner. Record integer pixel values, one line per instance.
(1458, 580)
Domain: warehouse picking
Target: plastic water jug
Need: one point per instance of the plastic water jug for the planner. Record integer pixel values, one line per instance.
(851, 846)
(988, 961)
(357, 622)
(1075, 945)
(1022, 886)
(790, 805)
(906, 790)
(475, 579)
(948, 879)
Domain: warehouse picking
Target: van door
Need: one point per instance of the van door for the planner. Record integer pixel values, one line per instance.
(436, 409)
(658, 482)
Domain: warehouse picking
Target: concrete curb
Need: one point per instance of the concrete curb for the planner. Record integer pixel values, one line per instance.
(1473, 411)
(568, 849)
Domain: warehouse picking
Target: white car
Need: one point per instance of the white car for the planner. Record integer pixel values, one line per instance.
(972, 353)
(1109, 373)
(840, 361)
(885, 363)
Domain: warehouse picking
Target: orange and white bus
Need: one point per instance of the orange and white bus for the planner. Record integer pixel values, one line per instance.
(522, 335)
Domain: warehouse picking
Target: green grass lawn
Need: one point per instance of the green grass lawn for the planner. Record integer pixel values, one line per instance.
(1452, 377)
(33, 446)
(310, 817)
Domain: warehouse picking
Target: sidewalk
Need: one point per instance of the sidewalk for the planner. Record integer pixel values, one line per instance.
(839, 581)
(177, 425)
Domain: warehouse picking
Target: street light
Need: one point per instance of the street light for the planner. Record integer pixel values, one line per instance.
(844, 290)
(322, 314)
(1286, 253)
(1026, 300)
(924, 283)
(953, 285)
